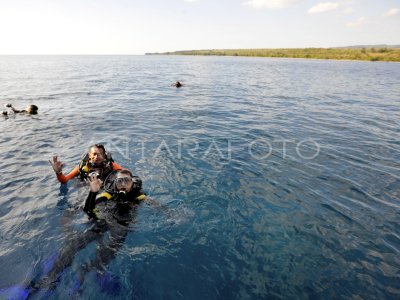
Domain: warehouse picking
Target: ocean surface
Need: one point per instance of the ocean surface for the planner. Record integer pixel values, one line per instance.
(278, 178)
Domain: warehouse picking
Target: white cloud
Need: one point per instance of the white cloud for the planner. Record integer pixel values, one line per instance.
(393, 12)
(323, 7)
(348, 10)
(360, 21)
(270, 3)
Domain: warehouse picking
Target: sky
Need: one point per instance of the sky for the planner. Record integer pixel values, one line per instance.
(141, 26)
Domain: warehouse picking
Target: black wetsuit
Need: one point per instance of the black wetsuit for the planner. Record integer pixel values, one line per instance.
(110, 213)
(119, 205)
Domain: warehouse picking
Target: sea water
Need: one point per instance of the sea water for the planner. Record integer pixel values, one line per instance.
(278, 178)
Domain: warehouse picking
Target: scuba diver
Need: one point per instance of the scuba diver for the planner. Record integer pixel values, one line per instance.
(121, 191)
(177, 84)
(30, 109)
(110, 211)
(97, 160)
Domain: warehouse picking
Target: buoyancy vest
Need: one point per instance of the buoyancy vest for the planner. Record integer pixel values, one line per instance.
(103, 169)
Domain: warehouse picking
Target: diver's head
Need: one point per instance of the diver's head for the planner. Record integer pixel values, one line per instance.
(32, 109)
(123, 181)
(97, 154)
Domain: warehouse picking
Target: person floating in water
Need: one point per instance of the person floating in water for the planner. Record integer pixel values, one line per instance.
(121, 188)
(110, 211)
(30, 110)
(96, 160)
(177, 84)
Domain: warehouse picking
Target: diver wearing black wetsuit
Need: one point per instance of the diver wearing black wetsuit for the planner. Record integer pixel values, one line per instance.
(111, 211)
(118, 205)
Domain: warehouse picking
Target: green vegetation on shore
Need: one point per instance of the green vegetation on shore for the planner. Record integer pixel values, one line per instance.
(371, 54)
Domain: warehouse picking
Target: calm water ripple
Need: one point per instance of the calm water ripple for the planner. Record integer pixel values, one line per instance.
(281, 177)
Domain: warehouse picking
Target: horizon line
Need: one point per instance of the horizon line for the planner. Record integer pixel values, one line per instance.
(202, 49)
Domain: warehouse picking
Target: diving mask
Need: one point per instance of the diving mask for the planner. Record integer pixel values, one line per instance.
(123, 180)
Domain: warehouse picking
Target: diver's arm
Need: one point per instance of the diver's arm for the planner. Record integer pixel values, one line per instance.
(171, 214)
(57, 166)
(65, 178)
(90, 203)
(164, 209)
(16, 110)
(152, 202)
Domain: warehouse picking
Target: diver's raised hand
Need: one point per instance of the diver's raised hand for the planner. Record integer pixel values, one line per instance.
(95, 182)
(56, 164)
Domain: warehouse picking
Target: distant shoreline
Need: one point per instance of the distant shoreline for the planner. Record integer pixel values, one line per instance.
(387, 54)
